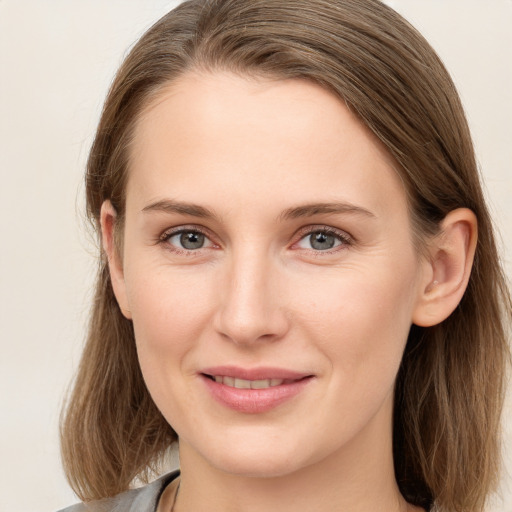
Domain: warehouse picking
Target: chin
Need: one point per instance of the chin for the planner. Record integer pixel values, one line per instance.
(258, 466)
(259, 458)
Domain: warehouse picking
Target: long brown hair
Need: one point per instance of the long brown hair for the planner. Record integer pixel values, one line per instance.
(450, 386)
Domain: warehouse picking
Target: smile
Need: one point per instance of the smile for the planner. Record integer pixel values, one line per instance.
(253, 391)
(249, 384)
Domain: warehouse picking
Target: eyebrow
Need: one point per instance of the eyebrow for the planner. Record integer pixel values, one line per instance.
(170, 206)
(296, 212)
(308, 210)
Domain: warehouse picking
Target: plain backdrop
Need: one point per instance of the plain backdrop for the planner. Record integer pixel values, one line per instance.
(57, 58)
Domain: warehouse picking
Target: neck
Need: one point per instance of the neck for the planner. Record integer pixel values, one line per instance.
(359, 477)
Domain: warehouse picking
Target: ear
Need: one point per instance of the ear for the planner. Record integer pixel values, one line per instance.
(108, 218)
(449, 265)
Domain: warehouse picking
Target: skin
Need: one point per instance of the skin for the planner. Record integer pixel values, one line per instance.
(259, 294)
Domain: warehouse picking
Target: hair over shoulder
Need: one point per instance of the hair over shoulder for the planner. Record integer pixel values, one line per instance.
(450, 386)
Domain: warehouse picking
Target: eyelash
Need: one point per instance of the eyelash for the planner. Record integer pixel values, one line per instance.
(167, 235)
(344, 239)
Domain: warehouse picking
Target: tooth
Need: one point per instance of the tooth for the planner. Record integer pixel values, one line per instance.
(242, 384)
(260, 384)
(229, 381)
(248, 384)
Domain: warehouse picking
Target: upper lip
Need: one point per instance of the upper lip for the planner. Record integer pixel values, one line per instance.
(259, 373)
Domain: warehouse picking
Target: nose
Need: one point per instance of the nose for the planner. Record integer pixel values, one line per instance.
(251, 301)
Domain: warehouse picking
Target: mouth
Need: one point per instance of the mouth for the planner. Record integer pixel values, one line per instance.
(254, 390)
(237, 383)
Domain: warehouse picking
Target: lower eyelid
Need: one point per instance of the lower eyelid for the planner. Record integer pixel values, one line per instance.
(167, 235)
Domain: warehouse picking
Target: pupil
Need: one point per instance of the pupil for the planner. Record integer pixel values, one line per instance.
(192, 240)
(322, 241)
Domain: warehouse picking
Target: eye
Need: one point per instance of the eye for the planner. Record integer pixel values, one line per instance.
(186, 240)
(323, 239)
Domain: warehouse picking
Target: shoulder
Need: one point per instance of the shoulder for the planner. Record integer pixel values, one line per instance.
(143, 499)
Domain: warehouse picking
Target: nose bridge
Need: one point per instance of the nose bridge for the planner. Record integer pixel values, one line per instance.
(250, 306)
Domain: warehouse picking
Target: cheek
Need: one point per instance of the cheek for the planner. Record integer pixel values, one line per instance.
(168, 317)
(361, 322)
(169, 311)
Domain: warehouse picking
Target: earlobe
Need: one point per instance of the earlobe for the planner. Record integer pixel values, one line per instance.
(108, 217)
(451, 258)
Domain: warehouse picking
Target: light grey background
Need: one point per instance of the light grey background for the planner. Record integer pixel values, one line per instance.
(57, 58)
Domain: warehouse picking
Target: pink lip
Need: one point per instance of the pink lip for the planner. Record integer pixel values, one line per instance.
(253, 401)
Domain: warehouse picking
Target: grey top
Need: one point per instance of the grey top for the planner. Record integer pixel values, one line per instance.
(143, 499)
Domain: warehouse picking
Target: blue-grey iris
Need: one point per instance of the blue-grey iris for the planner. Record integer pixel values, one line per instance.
(192, 240)
(322, 241)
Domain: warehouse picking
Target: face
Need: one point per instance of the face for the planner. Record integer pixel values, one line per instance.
(269, 270)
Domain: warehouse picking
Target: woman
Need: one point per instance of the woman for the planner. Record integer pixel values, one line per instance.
(299, 278)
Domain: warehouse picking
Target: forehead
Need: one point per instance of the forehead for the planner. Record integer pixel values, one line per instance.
(226, 137)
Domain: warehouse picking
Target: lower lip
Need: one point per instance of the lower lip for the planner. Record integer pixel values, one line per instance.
(253, 401)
